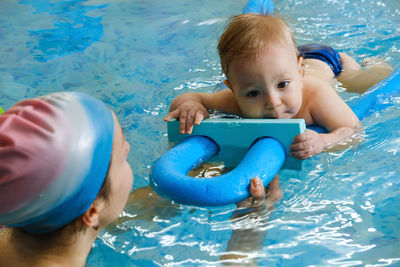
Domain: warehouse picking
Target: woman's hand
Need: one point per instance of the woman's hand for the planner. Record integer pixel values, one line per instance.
(189, 113)
(306, 145)
(262, 197)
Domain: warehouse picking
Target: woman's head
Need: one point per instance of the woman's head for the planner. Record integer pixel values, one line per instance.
(54, 155)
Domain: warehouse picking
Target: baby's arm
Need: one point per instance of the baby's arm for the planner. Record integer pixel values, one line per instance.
(329, 110)
(191, 108)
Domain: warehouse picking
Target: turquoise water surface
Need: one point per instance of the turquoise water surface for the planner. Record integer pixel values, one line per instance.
(342, 209)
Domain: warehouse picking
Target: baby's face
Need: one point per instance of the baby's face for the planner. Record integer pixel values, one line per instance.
(270, 85)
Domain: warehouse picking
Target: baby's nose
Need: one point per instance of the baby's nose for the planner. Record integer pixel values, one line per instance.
(272, 100)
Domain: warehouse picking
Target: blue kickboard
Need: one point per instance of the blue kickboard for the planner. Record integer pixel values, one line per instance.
(235, 136)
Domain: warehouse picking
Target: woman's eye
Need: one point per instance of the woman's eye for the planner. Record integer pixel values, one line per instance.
(283, 84)
(253, 93)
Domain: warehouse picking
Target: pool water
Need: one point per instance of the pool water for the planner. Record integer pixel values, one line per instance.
(342, 209)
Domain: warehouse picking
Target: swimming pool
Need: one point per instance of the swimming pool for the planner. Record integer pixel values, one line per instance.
(340, 210)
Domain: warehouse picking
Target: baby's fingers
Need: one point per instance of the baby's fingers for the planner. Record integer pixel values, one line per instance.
(199, 117)
(302, 154)
(299, 146)
(182, 122)
(190, 121)
(301, 150)
(173, 114)
(303, 137)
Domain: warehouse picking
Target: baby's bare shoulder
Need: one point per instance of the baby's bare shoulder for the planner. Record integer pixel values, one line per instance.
(315, 87)
(321, 97)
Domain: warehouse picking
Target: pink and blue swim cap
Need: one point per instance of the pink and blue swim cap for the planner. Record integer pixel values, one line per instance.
(55, 152)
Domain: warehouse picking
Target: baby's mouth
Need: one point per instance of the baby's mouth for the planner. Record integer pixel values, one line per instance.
(272, 115)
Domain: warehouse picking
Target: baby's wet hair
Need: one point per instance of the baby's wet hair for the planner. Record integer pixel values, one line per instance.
(247, 34)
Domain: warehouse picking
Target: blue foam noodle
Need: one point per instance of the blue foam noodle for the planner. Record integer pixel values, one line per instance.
(169, 173)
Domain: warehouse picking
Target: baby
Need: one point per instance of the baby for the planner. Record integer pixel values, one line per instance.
(268, 76)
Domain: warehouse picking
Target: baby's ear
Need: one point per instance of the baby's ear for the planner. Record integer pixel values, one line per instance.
(300, 65)
(227, 83)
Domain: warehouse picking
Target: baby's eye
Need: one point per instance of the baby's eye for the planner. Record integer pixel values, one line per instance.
(283, 84)
(253, 93)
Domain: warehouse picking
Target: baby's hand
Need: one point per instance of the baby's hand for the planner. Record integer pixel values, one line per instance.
(189, 113)
(306, 145)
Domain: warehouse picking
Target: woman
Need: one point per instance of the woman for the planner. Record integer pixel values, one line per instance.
(63, 178)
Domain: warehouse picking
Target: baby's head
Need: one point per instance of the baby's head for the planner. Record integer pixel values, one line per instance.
(247, 34)
(260, 60)
(55, 153)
